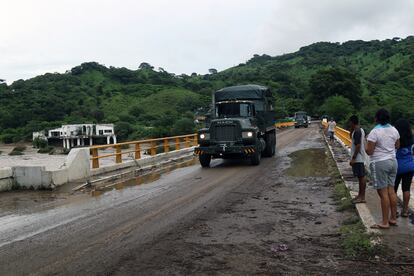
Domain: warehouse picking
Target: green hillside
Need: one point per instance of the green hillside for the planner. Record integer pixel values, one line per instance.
(322, 78)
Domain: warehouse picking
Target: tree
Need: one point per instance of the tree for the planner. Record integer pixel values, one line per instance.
(338, 107)
(212, 71)
(123, 130)
(183, 126)
(146, 66)
(335, 82)
(98, 115)
(136, 111)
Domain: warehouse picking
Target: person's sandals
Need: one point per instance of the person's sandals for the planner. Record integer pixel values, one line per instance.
(379, 226)
(402, 214)
(357, 200)
(392, 223)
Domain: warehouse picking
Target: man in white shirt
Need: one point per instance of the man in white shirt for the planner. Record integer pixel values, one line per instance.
(358, 157)
(331, 130)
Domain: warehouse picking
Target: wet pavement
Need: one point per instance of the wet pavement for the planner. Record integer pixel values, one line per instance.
(277, 218)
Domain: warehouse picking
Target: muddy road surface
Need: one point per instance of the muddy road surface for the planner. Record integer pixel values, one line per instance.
(233, 218)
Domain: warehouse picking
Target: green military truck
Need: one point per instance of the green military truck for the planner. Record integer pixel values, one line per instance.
(301, 119)
(242, 125)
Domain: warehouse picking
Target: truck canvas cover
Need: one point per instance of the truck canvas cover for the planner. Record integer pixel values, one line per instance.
(242, 92)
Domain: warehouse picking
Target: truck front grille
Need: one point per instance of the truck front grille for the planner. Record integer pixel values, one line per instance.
(225, 133)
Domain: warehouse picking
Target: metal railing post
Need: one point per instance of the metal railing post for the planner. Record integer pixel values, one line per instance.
(177, 143)
(95, 159)
(187, 142)
(137, 151)
(118, 158)
(195, 140)
(166, 145)
(153, 150)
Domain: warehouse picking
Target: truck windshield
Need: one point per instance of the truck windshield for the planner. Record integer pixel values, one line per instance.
(300, 115)
(227, 110)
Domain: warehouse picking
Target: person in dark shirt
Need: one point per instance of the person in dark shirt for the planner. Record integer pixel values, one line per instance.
(405, 161)
(358, 157)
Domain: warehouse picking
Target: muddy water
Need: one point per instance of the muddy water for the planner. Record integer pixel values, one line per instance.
(29, 201)
(146, 178)
(308, 163)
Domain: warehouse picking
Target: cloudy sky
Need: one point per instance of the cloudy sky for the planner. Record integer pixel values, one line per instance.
(182, 36)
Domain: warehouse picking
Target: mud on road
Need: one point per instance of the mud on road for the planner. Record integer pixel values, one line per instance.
(283, 221)
(278, 218)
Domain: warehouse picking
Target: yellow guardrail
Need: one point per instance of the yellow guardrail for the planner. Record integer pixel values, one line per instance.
(285, 124)
(148, 145)
(343, 134)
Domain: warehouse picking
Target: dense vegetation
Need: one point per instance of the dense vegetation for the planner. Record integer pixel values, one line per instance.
(322, 78)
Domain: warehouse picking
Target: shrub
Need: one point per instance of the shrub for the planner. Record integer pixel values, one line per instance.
(7, 138)
(184, 126)
(47, 149)
(39, 143)
(19, 148)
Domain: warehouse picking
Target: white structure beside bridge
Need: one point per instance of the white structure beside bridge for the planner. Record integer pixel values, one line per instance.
(78, 135)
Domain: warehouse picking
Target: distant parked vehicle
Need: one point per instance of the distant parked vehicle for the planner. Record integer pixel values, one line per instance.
(301, 119)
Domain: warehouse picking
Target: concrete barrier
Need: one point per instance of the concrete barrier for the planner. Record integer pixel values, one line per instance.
(33, 177)
(6, 179)
(76, 168)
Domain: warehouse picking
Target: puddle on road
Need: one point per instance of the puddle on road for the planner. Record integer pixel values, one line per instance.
(308, 163)
(142, 179)
(27, 200)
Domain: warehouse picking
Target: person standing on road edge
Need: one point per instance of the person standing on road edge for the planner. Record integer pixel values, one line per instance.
(383, 140)
(331, 130)
(405, 160)
(358, 157)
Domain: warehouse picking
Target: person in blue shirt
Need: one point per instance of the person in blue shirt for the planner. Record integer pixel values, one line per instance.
(405, 160)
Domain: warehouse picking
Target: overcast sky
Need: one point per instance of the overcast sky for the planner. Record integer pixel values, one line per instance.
(182, 36)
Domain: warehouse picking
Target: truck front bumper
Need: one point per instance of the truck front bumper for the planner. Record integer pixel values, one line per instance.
(218, 150)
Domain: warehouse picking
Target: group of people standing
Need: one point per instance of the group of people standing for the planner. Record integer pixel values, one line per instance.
(388, 152)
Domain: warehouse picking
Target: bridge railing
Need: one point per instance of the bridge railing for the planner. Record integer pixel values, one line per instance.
(343, 134)
(284, 124)
(151, 146)
(148, 146)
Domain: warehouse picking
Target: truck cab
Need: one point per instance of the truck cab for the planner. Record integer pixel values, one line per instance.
(242, 126)
(301, 119)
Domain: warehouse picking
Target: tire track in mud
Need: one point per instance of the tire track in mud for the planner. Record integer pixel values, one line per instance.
(238, 235)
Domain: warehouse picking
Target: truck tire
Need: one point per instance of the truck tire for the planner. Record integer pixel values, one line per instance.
(205, 160)
(274, 146)
(270, 145)
(255, 158)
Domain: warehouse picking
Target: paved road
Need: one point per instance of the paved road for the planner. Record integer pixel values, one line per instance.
(110, 233)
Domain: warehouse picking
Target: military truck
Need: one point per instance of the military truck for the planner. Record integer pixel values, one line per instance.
(301, 119)
(242, 125)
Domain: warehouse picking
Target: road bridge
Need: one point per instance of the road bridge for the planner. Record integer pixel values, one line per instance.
(233, 218)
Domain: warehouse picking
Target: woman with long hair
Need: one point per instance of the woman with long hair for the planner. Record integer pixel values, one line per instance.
(405, 160)
(383, 140)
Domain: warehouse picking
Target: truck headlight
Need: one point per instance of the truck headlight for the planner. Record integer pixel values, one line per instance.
(247, 134)
(205, 136)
